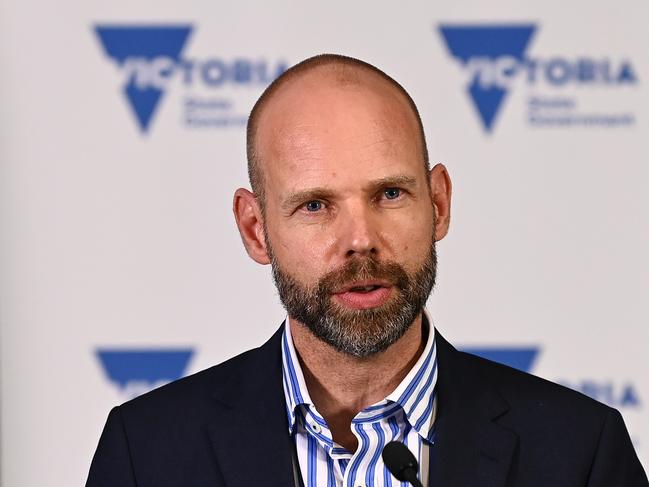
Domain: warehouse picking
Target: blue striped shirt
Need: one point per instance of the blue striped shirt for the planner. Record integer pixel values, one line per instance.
(406, 415)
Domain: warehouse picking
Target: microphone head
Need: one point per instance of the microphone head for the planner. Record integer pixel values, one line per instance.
(400, 461)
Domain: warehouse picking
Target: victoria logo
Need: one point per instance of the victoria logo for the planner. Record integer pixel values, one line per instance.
(491, 55)
(148, 56)
(494, 57)
(135, 371)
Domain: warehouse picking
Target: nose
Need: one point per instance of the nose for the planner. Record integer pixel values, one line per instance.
(359, 234)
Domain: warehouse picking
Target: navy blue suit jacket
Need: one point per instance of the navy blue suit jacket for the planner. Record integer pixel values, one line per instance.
(495, 426)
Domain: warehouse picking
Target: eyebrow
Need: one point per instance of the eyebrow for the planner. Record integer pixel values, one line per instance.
(389, 181)
(299, 197)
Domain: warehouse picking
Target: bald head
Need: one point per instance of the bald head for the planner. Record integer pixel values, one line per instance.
(305, 82)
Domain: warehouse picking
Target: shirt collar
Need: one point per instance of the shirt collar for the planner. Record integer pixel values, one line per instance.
(415, 394)
(295, 390)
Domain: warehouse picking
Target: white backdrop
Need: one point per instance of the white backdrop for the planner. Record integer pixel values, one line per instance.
(117, 240)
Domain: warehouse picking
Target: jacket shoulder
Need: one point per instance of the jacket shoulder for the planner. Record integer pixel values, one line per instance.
(164, 437)
(192, 387)
(201, 389)
(578, 436)
(521, 388)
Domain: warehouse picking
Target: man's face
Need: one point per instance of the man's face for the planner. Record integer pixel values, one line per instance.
(349, 220)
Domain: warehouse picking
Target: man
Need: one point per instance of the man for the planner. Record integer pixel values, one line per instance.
(346, 210)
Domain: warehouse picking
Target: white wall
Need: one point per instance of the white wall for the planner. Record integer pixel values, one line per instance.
(111, 237)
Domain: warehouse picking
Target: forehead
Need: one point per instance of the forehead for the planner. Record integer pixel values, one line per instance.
(323, 124)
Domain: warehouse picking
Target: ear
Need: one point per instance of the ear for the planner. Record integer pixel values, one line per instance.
(250, 222)
(440, 188)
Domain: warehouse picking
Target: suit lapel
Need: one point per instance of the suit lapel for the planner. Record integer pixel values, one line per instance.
(252, 446)
(470, 447)
(250, 432)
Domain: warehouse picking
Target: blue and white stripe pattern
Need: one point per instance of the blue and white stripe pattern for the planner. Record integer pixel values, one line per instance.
(406, 415)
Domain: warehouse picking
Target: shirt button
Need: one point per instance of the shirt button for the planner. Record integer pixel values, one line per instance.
(316, 427)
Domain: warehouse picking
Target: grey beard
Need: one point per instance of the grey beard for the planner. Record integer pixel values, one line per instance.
(365, 332)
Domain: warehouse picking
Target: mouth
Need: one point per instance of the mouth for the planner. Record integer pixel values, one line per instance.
(364, 294)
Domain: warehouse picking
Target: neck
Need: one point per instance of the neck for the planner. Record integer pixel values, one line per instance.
(341, 385)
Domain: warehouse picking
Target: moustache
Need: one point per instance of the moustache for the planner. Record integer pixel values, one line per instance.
(366, 269)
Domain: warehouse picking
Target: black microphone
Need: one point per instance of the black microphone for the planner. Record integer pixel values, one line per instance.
(401, 462)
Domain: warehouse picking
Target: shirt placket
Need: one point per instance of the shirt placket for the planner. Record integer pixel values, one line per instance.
(365, 466)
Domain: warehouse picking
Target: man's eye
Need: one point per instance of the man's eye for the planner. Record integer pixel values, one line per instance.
(313, 205)
(392, 193)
